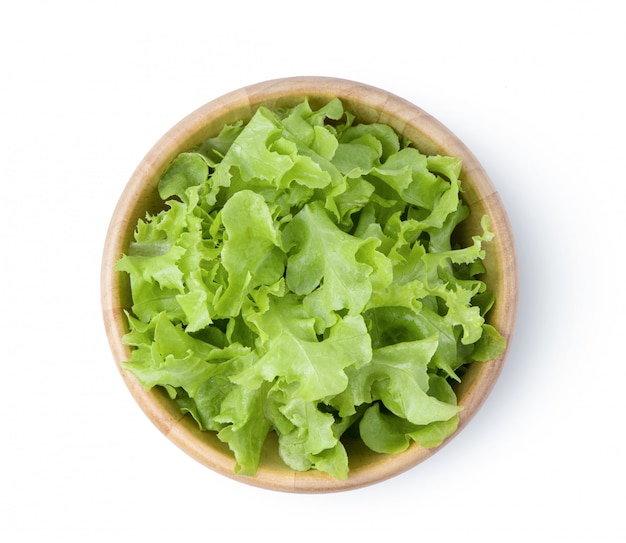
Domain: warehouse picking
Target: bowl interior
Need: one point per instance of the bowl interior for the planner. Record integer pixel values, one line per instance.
(368, 104)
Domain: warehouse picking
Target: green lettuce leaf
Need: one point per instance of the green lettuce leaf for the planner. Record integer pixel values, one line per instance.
(251, 253)
(293, 352)
(166, 354)
(323, 265)
(246, 426)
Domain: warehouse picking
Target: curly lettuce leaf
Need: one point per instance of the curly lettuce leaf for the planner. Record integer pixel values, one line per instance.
(398, 376)
(323, 265)
(166, 354)
(292, 351)
(245, 426)
(251, 253)
(187, 170)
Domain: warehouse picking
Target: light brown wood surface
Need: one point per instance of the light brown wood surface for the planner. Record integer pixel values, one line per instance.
(369, 104)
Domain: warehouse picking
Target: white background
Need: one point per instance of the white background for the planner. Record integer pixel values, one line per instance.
(534, 88)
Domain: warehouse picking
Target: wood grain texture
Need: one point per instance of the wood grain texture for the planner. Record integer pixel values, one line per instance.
(369, 104)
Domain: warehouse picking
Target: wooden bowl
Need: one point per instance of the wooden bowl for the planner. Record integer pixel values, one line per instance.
(369, 104)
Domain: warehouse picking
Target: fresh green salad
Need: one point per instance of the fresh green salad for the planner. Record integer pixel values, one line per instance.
(302, 279)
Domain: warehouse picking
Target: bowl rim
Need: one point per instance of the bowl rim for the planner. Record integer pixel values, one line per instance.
(370, 104)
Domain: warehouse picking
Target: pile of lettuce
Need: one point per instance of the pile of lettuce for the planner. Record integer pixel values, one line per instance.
(302, 279)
